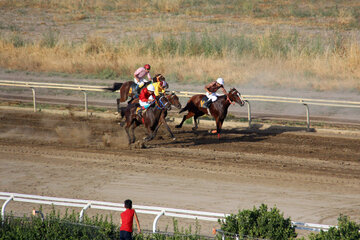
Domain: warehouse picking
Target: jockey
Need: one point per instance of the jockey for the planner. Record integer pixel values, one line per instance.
(160, 87)
(139, 75)
(146, 98)
(211, 89)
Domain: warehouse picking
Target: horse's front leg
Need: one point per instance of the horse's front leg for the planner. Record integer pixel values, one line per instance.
(219, 123)
(163, 120)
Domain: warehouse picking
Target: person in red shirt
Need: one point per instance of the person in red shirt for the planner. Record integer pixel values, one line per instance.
(126, 221)
(146, 98)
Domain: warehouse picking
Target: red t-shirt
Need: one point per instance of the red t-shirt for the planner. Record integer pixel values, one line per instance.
(127, 220)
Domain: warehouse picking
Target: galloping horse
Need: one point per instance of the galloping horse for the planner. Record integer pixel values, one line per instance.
(150, 118)
(218, 109)
(127, 89)
(173, 100)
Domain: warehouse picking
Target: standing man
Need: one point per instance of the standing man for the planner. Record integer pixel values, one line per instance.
(126, 221)
(139, 75)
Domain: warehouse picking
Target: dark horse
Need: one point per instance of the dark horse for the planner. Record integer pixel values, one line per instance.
(172, 98)
(151, 118)
(127, 89)
(218, 109)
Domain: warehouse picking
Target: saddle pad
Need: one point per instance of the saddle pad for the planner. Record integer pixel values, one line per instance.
(132, 88)
(203, 100)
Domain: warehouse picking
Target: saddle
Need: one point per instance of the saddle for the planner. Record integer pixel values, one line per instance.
(205, 102)
(136, 91)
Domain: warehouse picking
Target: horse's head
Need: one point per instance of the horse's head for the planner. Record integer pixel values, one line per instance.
(158, 78)
(174, 100)
(235, 96)
(162, 102)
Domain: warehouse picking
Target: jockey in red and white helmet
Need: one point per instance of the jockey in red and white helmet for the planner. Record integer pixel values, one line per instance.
(147, 96)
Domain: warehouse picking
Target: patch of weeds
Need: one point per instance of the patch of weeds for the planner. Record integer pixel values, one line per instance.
(13, 28)
(49, 39)
(17, 40)
(215, 21)
(309, 74)
(107, 73)
(22, 11)
(189, 121)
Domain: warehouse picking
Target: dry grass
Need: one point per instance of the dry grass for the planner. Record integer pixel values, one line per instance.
(328, 71)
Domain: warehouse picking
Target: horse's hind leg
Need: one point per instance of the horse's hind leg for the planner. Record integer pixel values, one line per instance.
(118, 104)
(128, 134)
(195, 122)
(187, 116)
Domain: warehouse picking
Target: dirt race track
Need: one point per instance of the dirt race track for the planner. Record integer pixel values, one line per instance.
(310, 176)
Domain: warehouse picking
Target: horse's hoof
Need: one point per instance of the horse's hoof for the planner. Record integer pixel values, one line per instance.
(194, 128)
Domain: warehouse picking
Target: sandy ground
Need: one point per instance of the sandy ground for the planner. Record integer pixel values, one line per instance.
(310, 176)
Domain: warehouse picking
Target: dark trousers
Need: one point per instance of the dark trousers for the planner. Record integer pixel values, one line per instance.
(125, 235)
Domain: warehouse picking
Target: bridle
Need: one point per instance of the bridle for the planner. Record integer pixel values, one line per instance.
(160, 103)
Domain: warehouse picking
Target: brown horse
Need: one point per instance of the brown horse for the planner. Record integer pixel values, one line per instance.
(127, 89)
(151, 118)
(218, 109)
(173, 100)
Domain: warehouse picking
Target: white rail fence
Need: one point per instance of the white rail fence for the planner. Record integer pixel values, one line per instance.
(85, 205)
(247, 98)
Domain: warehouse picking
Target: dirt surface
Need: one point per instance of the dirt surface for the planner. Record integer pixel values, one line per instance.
(310, 176)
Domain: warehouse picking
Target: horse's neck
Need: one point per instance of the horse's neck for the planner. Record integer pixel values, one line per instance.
(224, 101)
(156, 110)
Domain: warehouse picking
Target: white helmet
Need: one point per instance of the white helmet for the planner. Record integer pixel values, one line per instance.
(220, 81)
(150, 87)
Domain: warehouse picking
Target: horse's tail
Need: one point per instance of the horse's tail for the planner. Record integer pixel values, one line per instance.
(115, 87)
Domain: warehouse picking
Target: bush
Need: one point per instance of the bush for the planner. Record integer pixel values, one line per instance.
(346, 229)
(259, 223)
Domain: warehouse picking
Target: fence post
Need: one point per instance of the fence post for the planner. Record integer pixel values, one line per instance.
(86, 102)
(157, 219)
(34, 98)
(4, 206)
(249, 112)
(307, 116)
(83, 210)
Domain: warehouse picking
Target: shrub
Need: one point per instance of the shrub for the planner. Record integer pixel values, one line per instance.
(259, 223)
(346, 229)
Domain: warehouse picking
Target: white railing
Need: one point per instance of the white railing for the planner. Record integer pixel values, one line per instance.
(109, 206)
(247, 98)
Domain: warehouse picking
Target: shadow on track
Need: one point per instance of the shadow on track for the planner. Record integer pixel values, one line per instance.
(254, 134)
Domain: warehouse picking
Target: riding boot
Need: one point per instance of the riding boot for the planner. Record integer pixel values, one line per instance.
(207, 103)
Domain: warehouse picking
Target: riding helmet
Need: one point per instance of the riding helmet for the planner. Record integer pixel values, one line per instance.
(220, 81)
(150, 87)
(147, 66)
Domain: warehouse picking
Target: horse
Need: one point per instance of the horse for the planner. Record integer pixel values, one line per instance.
(173, 100)
(218, 109)
(128, 89)
(150, 118)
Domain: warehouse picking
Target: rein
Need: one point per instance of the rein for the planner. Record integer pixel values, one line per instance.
(161, 105)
